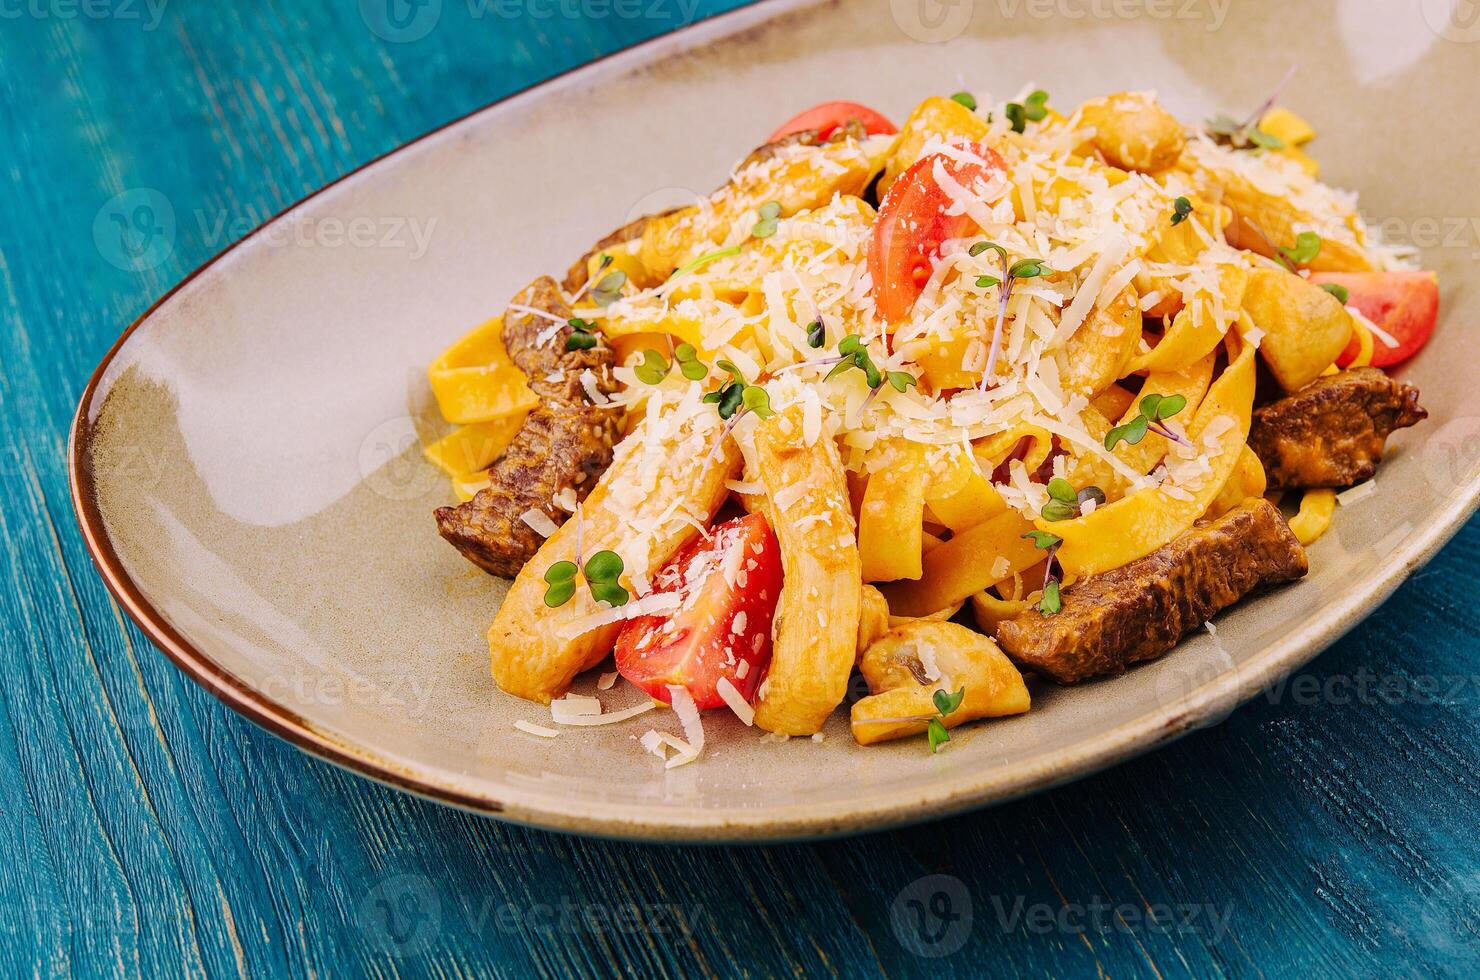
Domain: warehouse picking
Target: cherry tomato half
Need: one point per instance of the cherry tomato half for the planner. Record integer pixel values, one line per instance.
(729, 584)
(829, 117)
(912, 223)
(1403, 304)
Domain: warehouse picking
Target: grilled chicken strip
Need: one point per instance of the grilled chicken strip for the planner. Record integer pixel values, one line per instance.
(1139, 611)
(565, 441)
(1331, 433)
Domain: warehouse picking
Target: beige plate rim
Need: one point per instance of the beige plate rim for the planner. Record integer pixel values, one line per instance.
(667, 824)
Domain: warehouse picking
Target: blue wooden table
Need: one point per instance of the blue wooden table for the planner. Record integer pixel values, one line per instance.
(1329, 827)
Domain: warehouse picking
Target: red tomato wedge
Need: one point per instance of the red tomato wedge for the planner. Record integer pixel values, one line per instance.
(729, 584)
(829, 117)
(1403, 304)
(912, 223)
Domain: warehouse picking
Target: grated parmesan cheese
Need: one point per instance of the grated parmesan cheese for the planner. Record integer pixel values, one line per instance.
(736, 702)
(1359, 492)
(539, 522)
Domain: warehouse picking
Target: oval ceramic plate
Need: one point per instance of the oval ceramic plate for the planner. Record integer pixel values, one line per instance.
(246, 465)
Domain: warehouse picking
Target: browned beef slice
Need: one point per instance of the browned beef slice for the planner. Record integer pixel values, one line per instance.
(559, 446)
(576, 276)
(1140, 611)
(564, 442)
(1331, 432)
(852, 129)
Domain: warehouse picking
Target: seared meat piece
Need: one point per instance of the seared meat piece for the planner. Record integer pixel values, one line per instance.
(1139, 611)
(1331, 432)
(564, 442)
(806, 137)
(764, 152)
(576, 276)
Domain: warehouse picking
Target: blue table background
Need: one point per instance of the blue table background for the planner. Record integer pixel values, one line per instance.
(1328, 827)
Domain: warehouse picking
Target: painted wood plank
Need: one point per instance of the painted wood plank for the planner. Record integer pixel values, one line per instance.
(150, 831)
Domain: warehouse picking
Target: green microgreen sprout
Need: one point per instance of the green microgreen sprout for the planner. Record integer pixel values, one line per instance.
(582, 334)
(653, 369)
(1050, 603)
(1226, 130)
(816, 334)
(702, 261)
(609, 289)
(1065, 503)
(1034, 108)
(1155, 409)
(689, 364)
(1307, 247)
(966, 99)
(736, 397)
(770, 213)
(900, 380)
(1181, 209)
(561, 579)
(755, 399)
(602, 266)
(1011, 273)
(945, 704)
(1336, 289)
(853, 353)
(602, 572)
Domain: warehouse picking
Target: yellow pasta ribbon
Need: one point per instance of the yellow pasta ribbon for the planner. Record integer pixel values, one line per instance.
(471, 448)
(1314, 517)
(1364, 344)
(467, 486)
(990, 610)
(687, 327)
(1287, 126)
(890, 520)
(936, 116)
(1197, 329)
(1139, 523)
(474, 380)
(994, 449)
(963, 497)
(1190, 382)
(1247, 480)
(969, 562)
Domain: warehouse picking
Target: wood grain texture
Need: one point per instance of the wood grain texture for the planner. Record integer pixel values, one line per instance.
(148, 830)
